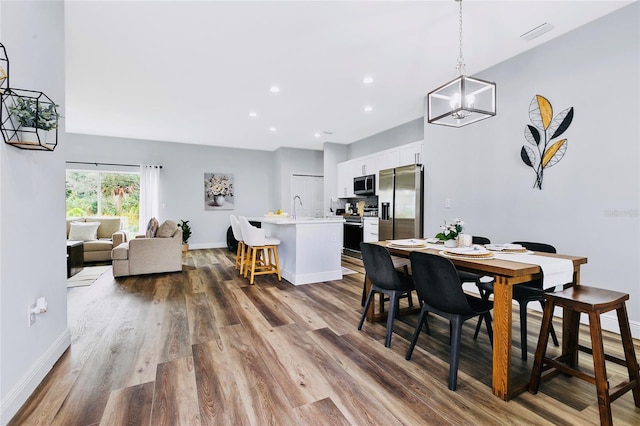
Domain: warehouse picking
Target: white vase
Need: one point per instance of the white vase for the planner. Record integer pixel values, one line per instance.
(218, 200)
(28, 135)
(451, 243)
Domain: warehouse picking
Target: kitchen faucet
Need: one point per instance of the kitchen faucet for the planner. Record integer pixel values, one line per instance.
(294, 204)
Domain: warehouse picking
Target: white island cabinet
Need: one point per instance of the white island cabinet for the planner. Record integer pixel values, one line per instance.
(310, 249)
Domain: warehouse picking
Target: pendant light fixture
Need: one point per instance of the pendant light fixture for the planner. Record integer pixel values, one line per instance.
(463, 100)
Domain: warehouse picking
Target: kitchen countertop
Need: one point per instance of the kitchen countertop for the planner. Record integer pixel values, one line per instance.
(302, 220)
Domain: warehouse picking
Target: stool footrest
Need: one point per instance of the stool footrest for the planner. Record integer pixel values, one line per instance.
(560, 366)
(608, 357)
(622, 388)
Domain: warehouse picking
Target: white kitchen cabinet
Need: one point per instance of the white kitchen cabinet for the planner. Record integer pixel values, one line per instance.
(345, 179)
(370, 229)
(388, 159)
(411, 153)
(372, 164)
(366, 165)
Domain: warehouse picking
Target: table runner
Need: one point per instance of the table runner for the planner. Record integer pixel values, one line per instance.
(556, 271)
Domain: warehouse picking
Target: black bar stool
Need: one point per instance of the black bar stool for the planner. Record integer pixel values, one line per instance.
(593, 301)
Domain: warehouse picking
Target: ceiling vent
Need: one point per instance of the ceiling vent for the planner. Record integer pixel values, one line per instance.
(536, 32)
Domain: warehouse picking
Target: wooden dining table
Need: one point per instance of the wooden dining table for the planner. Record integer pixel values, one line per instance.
(507, 274)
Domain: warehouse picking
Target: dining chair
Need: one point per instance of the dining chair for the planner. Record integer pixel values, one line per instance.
(482, 282)
(399, 263)
(384, 279)
(241, 251)
(262, 251)
(524, 293)
(440, 291)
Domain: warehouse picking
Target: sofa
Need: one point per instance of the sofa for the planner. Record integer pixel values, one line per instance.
(97, 245)
(156, 252)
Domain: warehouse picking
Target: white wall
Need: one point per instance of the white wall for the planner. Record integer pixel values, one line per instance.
(32, 242)
(589, 201)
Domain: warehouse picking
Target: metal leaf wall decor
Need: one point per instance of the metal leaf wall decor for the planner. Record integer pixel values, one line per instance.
(542, 150)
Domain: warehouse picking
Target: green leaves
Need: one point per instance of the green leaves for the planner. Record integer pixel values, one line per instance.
(541, 152)
(33, 113)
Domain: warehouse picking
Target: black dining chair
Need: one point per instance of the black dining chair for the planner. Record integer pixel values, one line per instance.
(384, 279)
(440, 291)
(399, 263)
(481, 281)
(523, 294)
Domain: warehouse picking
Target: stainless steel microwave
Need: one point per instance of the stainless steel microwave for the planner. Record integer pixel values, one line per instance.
(364, 185)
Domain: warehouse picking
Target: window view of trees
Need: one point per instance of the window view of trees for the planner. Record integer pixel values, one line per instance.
(91, 193)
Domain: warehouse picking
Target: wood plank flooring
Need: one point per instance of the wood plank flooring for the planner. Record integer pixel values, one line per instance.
(202, 347)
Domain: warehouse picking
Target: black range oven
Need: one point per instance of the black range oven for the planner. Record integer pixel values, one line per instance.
(353, 233)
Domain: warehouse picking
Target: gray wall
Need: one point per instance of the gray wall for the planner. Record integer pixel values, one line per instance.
(182, 179)
(333, 154)
(261, 179)
(290, 161)
(589, 202)
(400, 135)
(32, 240)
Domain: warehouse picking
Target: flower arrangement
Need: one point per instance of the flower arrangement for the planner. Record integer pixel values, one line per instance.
(450, 231)
(219, 185)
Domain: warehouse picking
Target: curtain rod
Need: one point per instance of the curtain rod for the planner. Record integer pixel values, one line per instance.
(107, 164)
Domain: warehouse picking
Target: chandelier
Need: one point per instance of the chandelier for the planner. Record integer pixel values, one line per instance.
(463, 100)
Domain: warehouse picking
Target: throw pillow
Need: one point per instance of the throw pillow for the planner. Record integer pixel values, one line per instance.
(83, 231)
(152, 227)
(167, 229)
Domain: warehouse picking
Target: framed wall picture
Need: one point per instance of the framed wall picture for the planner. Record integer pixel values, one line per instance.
(218, 191)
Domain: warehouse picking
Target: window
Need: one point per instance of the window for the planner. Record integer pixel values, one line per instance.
(99, 193)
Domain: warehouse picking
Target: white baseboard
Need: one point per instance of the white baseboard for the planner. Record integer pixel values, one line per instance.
(207, 246)
(33, 377)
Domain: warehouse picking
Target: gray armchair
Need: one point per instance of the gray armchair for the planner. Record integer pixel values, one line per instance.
(142, 255)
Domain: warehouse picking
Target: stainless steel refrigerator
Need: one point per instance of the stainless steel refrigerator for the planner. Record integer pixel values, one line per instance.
(401, 198)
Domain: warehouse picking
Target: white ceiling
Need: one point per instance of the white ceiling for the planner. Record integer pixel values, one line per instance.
(191, 72)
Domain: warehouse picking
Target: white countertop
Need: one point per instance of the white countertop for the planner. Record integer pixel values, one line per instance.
(301, 220)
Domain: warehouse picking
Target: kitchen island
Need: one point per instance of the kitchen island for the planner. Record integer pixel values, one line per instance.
(311, 248)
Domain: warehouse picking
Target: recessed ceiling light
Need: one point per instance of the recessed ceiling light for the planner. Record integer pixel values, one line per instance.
(367, 80)
(316, 135)
(274, 89)
(368, 108)
(253, 114)
(272, 129)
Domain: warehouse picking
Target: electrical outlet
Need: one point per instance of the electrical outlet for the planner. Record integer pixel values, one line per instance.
(32, 315)
(447, 203)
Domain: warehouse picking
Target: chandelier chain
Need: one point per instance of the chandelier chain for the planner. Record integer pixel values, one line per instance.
(460, 58)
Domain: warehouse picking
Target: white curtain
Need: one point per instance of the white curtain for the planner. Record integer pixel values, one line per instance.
(149, 196)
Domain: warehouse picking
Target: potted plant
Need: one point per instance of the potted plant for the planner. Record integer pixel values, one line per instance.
(450, 232)
(33, 114)
(186, 234)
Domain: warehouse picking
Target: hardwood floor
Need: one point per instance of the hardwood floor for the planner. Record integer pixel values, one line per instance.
(204, 347)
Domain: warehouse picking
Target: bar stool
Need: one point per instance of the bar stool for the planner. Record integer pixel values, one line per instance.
(593, 301)
(257, 243)
(242, 248)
